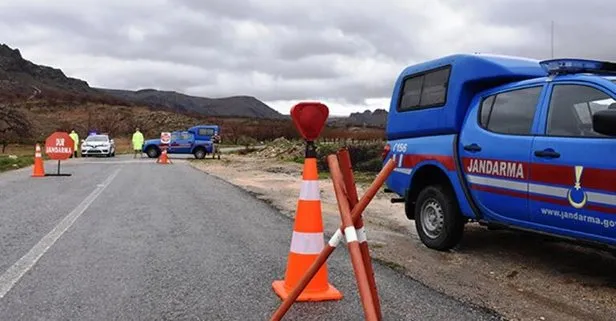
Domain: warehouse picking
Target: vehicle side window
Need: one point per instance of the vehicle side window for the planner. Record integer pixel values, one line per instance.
(206, 131)
(571, 109)
(512, 112)
(486, 108)
(425, 90)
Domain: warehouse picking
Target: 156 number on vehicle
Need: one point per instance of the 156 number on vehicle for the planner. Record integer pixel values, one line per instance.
(399, 148)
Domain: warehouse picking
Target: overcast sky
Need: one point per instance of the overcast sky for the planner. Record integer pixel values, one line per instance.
(344, 53)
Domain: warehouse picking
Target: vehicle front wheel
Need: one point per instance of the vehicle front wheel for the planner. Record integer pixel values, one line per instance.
(200, 153)
(152, 152)
(438, 219)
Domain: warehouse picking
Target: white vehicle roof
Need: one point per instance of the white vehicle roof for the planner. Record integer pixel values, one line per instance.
(98, 137)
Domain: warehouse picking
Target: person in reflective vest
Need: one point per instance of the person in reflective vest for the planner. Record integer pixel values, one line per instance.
(75, 137)
(137, 143)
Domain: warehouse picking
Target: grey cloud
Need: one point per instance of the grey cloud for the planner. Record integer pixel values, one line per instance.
(297, 45)
(581, 28)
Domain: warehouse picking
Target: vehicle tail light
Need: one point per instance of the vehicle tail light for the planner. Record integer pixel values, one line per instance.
(385, 152)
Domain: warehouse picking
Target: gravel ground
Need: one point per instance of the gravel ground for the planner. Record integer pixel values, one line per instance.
(522, 276)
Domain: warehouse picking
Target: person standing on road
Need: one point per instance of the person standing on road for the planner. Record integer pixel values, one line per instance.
(137, 143)
(215, 145)
(75, 137)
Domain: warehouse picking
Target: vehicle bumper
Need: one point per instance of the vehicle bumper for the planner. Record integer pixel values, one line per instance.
(98, 151)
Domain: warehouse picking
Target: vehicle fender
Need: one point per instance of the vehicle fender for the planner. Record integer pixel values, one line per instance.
(453, 180)
(149, 144)
(206, 146)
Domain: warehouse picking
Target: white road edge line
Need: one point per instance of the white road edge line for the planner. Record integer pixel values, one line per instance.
(23, 265)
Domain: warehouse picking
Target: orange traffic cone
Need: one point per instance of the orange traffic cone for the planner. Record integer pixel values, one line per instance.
(163, 159)
(39, 168)
(306, 243)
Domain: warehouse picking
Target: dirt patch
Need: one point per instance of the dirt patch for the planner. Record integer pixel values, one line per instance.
(522, 276)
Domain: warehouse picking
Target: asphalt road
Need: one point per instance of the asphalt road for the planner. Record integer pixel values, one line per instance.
(125, 239)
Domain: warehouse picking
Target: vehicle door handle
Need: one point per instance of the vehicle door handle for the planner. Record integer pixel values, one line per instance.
(547, 153)
(472, 148)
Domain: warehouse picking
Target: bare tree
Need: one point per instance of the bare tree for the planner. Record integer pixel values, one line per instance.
(14, 126)
(112, 121)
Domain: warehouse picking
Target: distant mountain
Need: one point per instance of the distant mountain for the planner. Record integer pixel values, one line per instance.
(22, 80)
(237, 106)
(378, 118)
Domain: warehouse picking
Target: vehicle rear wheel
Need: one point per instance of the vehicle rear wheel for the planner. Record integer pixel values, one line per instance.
(438, 219)
(200, 153)
(152, 152)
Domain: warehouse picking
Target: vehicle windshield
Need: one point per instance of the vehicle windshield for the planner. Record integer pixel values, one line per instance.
(97, 139)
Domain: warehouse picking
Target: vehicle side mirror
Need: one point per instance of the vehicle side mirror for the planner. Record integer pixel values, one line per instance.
(112, 142)
(83, 140)
(604, 122)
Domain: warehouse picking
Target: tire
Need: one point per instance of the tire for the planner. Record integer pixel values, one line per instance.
(438, 219)
(200, 153)
(152, 152)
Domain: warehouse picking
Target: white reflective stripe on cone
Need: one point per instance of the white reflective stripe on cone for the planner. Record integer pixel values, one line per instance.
(307, 243)
(309, 191)
(37, 155)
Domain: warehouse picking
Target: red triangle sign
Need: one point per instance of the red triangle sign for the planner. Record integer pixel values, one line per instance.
(309, 119)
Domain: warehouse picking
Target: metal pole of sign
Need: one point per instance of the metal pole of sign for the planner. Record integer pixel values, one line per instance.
(58, 173)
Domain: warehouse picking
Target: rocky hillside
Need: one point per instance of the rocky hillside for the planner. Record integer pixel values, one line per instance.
(238, 106)
(378, 118)
(23, 80)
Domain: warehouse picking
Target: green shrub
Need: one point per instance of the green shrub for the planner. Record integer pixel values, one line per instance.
(364, 157)
(7, 163)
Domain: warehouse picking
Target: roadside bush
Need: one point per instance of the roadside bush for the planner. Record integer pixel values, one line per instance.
(373, 166)
(364, 157)
(246, 141)
(246, 151)
(8, 163)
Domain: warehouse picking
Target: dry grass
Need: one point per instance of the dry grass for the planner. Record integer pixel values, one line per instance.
(20, 150)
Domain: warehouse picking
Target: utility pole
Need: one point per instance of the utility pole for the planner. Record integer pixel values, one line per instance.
(552, 38)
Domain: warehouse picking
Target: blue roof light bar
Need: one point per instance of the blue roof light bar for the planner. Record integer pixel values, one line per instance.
(572, 66)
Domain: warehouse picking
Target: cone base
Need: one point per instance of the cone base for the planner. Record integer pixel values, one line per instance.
(328, 295)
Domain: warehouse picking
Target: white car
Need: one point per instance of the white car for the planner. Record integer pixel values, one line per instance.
(98, 145)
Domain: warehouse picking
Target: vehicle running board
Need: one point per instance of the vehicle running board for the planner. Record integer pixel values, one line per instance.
(397, 200)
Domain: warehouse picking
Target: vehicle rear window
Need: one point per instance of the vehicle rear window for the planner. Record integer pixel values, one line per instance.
(513, 111)
(425, 90)
(486, 108)
(206, 132)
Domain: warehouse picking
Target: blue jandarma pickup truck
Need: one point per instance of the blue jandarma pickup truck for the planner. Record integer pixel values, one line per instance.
(197, 140)
(507, 142)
